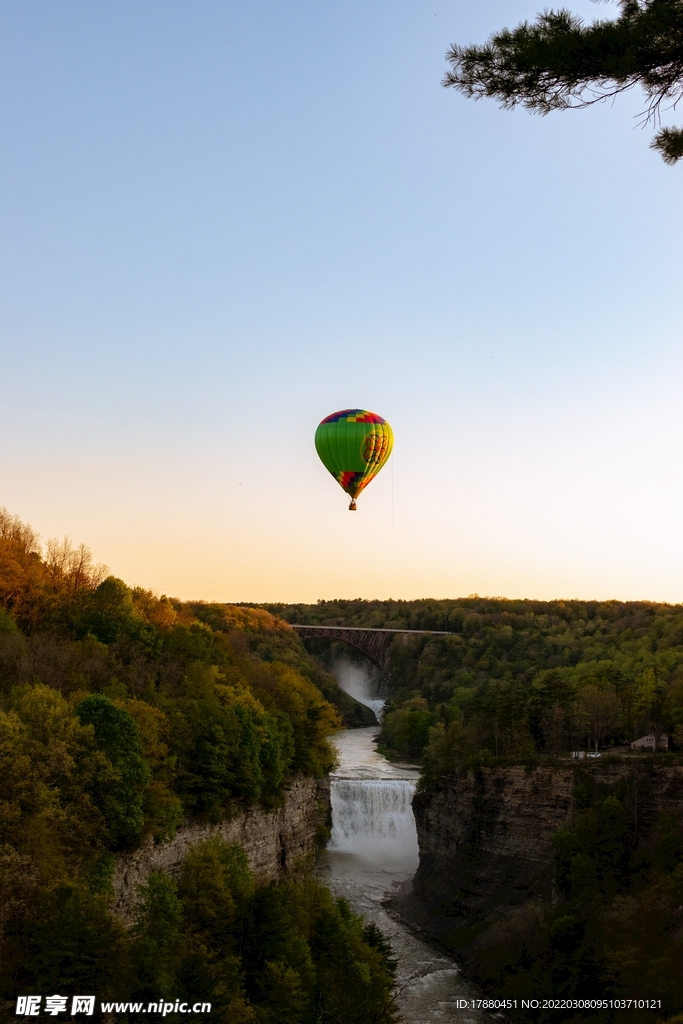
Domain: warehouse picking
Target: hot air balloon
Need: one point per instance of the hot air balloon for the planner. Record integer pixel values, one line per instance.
(354, 445)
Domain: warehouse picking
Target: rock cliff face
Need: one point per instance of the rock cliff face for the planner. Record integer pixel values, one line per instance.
(485, 837)
(275, 842)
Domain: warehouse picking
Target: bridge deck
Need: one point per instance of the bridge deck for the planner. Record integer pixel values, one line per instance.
(373, 629)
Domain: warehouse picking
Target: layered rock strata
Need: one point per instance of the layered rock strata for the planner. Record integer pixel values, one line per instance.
(276, 842)
(486, 836)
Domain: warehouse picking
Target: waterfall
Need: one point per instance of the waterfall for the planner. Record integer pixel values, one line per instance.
(356, 680)
(372, 814)
(373, 818)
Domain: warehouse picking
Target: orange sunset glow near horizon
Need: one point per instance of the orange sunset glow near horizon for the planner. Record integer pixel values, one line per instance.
(200, 264)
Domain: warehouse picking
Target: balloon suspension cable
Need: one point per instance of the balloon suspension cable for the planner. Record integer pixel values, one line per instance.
(352, 506)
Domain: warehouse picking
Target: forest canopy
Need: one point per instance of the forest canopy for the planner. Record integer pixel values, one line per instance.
(120, 711)
(517, 679)
(285, 953)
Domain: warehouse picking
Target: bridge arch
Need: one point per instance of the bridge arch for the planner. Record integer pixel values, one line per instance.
(373, 643)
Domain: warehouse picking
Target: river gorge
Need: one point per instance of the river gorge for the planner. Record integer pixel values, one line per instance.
(371, 858)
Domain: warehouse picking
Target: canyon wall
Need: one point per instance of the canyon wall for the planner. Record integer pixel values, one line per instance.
(276, 842)
(485, 836)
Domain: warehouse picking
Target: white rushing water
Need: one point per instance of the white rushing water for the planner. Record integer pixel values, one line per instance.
(371, 856)
(374, 818)
(372, 815)
(355, 680)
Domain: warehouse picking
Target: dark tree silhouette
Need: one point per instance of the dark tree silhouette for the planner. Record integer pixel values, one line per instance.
(558, 62)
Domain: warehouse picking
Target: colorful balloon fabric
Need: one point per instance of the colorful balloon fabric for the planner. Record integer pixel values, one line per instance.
(354, 445)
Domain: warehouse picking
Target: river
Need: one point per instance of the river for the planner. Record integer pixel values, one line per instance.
(372, 855)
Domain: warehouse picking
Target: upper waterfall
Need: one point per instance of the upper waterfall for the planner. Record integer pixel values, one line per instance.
(356, 680)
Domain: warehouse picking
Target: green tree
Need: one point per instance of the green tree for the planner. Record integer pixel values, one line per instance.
(644, 941)
(118, 737)
(592, 857)
(227, 748)
(157, 947)
(651, 700)
(162, 808)
(281, 975)
(18, 883)
(406, 728)
(599, 712)
(555, 729)
(559, 62)
(446, 750)
(109, 614)
(354, 977)
(70, 942)
(50, 774)
(313, 719)
(215, 887)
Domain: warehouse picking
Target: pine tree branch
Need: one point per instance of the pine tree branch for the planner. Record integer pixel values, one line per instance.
(558, 62)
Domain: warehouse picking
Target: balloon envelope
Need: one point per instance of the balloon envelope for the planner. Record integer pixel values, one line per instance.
(353, 445)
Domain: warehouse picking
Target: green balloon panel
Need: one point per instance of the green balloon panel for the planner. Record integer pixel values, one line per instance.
(353, 445)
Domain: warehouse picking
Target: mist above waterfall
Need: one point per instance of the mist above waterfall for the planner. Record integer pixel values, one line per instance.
(357, 680)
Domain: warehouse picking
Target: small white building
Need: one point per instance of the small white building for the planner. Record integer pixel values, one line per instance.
(649, 743)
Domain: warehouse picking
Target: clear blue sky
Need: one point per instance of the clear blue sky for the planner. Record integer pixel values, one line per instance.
(221, 222)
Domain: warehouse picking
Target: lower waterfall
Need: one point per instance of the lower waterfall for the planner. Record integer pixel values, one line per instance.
(374, 818)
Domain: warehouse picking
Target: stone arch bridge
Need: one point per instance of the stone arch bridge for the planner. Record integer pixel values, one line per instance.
(373, 643)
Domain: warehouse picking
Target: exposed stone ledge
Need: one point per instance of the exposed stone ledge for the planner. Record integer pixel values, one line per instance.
(486, 836)
(276, 842)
